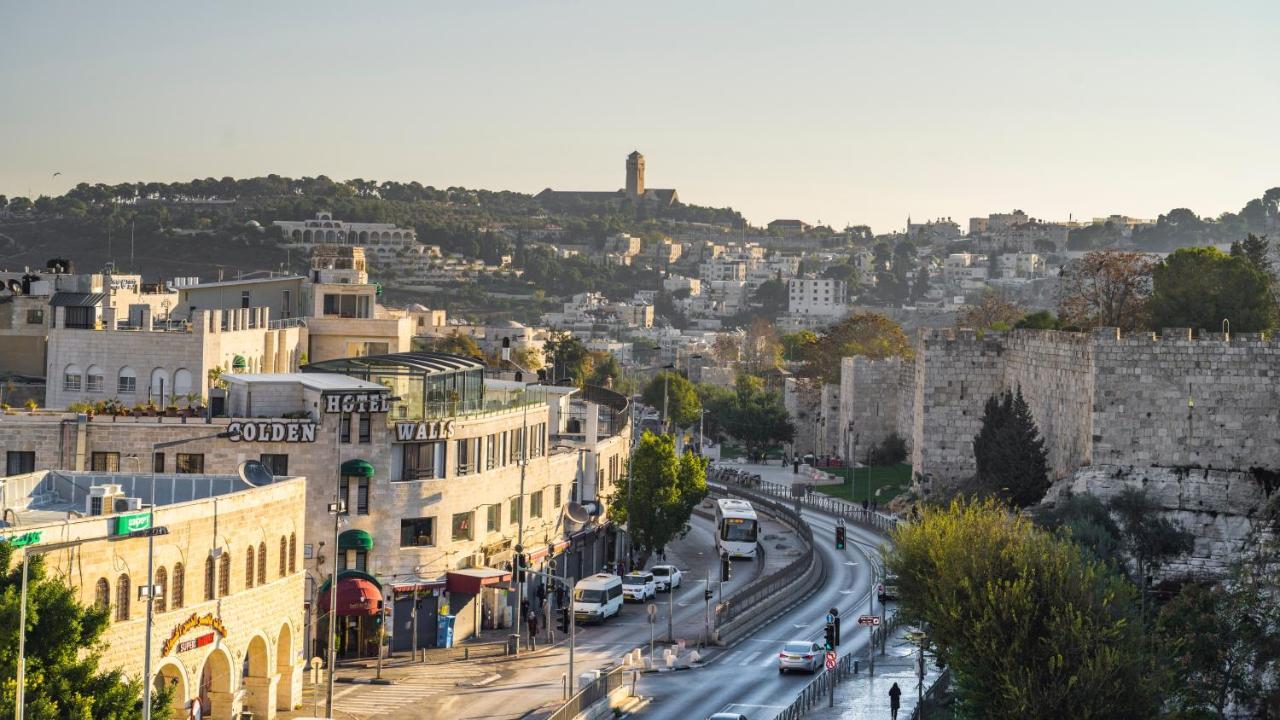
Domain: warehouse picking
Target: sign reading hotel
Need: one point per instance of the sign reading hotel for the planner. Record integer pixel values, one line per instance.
(272, 431)
(374, 402)
(191, 623)
(425, 430)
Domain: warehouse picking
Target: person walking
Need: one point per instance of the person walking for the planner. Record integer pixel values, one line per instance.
(533, 631)
(895, 701)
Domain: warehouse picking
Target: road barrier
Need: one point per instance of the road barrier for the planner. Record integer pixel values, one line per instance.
(598, 690)
(805, 497)
(819, 691)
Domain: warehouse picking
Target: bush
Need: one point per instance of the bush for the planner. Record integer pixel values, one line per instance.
(890, 451)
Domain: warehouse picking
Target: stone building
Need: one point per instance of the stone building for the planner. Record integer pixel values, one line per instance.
(227, 628)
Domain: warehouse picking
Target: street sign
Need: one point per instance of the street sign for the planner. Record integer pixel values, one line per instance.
(869, 620)
(653, 613)
(830, 618)
(831, 660)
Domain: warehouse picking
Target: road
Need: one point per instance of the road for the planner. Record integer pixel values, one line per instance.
(745, 678)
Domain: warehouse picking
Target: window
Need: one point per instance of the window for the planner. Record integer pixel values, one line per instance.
(179, 592)
(286, 304)
(190, 463)
(344, 489)
(535, 504)
(365, 434)
(284, 555)
(417, 532)
(122, 598)
(502, 448)
(513, 515)
(347, 306)
(157, 462)
(224, 575)
(362, 496)
(71, 379)
(162, 582)
(495, 517)
(422, 461)
(362, 561)
(262, 563)
(490, 448)
(93, 379)
(35, 316)
(20, 461)
(513, 446)
(344, 429)
(105, 462)
(462, 526)
(127, 381)
(81, 318)
(248, 568)
(277, 463)
(244, 299)
(293, 552)
(209, 579)
(466, 455)
(102, 594)
(557, 496)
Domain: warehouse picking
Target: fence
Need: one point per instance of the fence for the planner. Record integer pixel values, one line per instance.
(935, 698)
(599, 689)
(803, 496)
(818, 690)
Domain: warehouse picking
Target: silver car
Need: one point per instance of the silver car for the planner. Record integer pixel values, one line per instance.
(801, 655)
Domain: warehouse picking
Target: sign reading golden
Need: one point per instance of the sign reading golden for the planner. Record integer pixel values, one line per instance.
(191, 623)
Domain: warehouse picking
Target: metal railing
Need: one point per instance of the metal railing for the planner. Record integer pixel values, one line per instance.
(599, 689)
(805, 497)
(818, 691)
(935, 698)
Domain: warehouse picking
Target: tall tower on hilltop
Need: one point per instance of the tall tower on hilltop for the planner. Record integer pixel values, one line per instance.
(635, 174)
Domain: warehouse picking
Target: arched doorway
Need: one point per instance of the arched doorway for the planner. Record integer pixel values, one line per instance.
(260, 679)
(289, 688)
(215, 696)
(172, 675)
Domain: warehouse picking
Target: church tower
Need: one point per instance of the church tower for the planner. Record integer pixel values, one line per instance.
(635, 174)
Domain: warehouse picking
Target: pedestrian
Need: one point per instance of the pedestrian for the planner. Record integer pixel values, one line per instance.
(533, 631)
(865, 505)
(542, 594)
(795, 466)
(524, 607)
(895, 695)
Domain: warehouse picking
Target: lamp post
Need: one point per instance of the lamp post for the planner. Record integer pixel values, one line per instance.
(19, 710)
(337, 509)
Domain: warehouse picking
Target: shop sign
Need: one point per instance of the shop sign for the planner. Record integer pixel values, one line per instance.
(193, 643)
(374, 402)
(425, 430)
(272, 431)
(191, 623)
(23, 540)
(126, 524)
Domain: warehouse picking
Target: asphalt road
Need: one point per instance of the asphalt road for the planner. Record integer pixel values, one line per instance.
(745, 678)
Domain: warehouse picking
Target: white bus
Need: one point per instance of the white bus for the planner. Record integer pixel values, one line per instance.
(736, 528)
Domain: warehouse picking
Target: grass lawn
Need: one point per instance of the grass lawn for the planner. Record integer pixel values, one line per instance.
(887, 482)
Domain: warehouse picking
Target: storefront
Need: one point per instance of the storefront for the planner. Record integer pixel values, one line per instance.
(360, 615)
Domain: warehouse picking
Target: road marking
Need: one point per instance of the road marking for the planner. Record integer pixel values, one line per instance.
(747, 660)
(851, 564)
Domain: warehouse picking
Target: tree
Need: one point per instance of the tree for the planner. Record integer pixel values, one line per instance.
(1200, 287)
(1148, 537)
(726, 348)
(454, 343)
(1009, 452)
(569, 358)
(761, 349)
(794, 344)
(659, 494)
(1038, 320)
(605, 370)
(1255, 249)
(1088, 522)
(682, 405)
(772, 298)
(1030, 626)
(920, 288)
(869, 334)
(1106, 289)
(757, 418)
(63, 649)
(992, 312)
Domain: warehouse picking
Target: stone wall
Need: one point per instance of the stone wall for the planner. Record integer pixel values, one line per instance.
(1055, 373)
(956, 372)
(871, 393)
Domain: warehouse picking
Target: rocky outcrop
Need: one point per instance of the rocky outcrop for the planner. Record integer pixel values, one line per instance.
(1226, 510)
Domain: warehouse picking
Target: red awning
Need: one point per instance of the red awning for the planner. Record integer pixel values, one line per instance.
(356, 596)
(472, 579)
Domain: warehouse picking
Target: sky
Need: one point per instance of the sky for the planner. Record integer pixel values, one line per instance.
(839, 112)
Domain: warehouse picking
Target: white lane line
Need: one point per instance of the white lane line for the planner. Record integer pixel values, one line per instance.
(747, 660)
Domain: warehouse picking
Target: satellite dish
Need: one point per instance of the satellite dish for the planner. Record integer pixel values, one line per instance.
(577, 513)
(15, 287)
(255, 474)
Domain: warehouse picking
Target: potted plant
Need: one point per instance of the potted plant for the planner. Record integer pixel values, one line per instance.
(30, 405)
(171, 410)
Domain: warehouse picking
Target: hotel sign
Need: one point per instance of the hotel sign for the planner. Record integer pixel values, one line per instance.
(272, 431)
(425, 430)
(374, 402)
(191, 623)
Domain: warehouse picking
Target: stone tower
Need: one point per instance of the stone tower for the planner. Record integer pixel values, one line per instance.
(635, 174)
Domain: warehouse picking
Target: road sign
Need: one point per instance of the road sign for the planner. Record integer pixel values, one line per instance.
(830, 618)
(831, 661)
(869, 620)
(653, 613)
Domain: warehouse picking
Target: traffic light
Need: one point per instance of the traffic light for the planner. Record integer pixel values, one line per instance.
(520, 563)
(377, 619)
(830, 634)
(562, 621)
(839, 537)
(724, 567)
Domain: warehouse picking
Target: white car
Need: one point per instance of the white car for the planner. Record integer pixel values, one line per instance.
(667, 577)
(801, 655)
(638, 586)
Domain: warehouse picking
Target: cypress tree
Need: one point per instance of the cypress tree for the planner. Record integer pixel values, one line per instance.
(1010, 455)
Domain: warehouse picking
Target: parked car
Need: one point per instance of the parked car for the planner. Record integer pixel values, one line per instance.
(597, 598)
(800, 655)
(888, 588)
(667, 577)
(639, 586)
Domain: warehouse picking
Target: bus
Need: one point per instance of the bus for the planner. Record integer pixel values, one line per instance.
(736, 528)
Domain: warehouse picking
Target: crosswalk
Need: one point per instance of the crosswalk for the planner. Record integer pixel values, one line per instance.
(749, 658)
(370, 701)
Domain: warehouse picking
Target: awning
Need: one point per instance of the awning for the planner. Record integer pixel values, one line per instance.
(358, 468)
(432, 586)
(356, 596)
(471, 580)
(344, 574)
(355, 540)
(73, 299)
(239, 363)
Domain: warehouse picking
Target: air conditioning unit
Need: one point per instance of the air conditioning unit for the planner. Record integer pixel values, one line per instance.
(102, 499)
(474, 560)
(129, 504)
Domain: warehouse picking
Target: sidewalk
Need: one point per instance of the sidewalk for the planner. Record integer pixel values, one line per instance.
(866, 697)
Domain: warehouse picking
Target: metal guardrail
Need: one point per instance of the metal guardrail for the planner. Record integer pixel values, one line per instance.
(803, 495)
(818, 691)
(586, 697)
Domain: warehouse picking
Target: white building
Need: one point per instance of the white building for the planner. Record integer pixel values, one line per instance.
(382, 240)
(821, 297)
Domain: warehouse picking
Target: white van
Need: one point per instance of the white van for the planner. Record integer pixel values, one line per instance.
(597, 598)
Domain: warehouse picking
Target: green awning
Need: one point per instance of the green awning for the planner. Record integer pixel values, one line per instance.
(355, 540)
(352, 573)
(239, 363)
(358, 468)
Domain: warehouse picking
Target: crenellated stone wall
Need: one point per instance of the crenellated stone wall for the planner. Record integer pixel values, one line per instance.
(956, 371)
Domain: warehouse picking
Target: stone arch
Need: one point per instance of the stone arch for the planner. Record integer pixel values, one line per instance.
(93, 379)
(296, 235)
(306, 236)
(181, 382)
(289, 688)
(217, 684)
(72, 378)
(364, 236)
(171, 673)
(260, 678)
(329, 236)
(159, 386)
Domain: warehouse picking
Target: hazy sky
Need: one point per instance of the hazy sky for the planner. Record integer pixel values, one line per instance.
(836, 111)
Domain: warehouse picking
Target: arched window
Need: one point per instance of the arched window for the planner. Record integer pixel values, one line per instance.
(293, 552)
(181, 382)
(72, 378)
(122, 598)
(248, 568)
(160, 386)
(262, 563)
(179, 590)
(126, 381)
(102, 594)
(224, 575)
(209, 578)
(162, 590)
(93, 379)
(284, 555)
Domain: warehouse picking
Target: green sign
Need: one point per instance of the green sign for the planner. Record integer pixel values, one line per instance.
(25, 539)
(126, 524)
